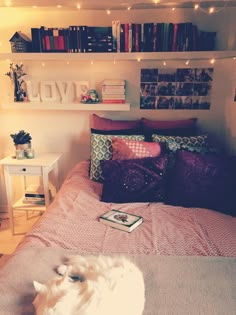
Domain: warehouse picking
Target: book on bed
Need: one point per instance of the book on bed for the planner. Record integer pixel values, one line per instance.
(121, 220)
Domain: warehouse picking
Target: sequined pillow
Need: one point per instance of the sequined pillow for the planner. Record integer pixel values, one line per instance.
(136, 180)
(101, 149)
(204, 181)
(174, 143)
(130, 149)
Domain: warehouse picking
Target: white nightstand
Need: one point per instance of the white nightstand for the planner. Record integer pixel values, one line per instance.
(41, 165)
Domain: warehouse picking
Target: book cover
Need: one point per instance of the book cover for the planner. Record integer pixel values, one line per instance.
(121, 220)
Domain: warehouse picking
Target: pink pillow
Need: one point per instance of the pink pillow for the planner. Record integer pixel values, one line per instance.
(168, 124)
(101, 123)
(123, 149)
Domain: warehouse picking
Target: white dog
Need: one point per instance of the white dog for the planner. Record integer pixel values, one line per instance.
(93, 285)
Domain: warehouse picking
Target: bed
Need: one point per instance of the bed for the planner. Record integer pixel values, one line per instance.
(187, 254)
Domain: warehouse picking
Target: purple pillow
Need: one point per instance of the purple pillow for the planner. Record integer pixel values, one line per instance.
(203, 181)
(135, 180)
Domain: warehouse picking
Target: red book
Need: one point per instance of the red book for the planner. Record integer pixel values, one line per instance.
(56, 38)
(174, 43)
(47, 39)
(61, 41)
(113, 101)
(126, 31)
(137, 37)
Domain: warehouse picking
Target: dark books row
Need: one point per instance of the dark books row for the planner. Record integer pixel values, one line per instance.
(127, 37)
(73, 39)
(154, 37)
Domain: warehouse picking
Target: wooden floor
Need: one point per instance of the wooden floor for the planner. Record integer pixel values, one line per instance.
(8, 242)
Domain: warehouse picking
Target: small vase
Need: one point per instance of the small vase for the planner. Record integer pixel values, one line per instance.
(18, 93)
(23, 146)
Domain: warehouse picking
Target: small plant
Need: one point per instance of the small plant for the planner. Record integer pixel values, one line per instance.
(15, 74)
(21, 137)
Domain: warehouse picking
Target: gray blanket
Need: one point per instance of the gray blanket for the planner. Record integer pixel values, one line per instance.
(175, 285)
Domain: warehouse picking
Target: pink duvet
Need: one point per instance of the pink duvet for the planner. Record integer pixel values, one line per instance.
(71, 222)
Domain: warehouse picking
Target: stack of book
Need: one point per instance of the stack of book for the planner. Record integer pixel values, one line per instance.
(35, 195)
(113, 91)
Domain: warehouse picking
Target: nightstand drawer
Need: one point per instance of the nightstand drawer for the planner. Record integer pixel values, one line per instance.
(24, 170)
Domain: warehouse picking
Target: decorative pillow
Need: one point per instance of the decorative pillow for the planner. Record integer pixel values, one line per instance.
(117, 132)
(101, 149)
(101, 123)
(174, 143)
(123, 149)
(137, 180)
(168, 125)
(204, 181)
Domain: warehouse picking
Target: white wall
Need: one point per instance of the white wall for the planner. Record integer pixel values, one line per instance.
(68, 131)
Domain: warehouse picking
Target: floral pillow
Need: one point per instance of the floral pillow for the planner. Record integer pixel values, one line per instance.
(101, 149)
(135, 180)
(174, 143)
(130, 149)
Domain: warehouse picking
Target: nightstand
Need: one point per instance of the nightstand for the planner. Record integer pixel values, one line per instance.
(41, 165)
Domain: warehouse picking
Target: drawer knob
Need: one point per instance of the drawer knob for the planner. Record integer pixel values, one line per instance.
(23, 169)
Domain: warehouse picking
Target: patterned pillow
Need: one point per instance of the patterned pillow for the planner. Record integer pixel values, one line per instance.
(204, 181)
(174, 143)
(136, 180)
(130, 149)
(101, 149)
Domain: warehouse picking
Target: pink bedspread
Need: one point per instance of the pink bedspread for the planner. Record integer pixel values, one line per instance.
(71, 222)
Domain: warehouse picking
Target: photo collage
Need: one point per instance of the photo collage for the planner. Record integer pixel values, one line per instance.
(186, 88)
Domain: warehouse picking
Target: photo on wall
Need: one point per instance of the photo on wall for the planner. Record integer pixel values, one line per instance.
(187, 88)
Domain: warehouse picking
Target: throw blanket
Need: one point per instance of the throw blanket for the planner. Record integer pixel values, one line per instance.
(174, 285)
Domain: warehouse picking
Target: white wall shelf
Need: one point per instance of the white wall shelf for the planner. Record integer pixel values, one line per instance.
(193, 55)
(67, 106)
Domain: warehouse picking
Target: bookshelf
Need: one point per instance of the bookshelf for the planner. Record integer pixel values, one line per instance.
(131, 56)
(64, 107)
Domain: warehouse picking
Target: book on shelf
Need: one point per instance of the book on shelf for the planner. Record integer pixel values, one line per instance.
(33, 201)
(113, 96)
(99, 39)
(36, 192)
(113, 101)
(112, 82)
(119, 89)
(121, 220)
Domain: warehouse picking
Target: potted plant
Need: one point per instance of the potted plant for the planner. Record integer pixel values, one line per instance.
(21, 139)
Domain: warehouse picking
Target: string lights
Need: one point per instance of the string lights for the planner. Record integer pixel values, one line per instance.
(212, 9)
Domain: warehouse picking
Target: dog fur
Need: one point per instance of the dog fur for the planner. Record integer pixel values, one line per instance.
(92, 285)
